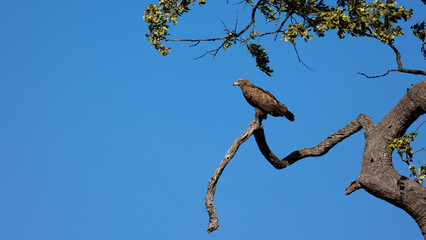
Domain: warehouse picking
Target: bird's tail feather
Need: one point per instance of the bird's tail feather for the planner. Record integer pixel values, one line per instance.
(288, 115)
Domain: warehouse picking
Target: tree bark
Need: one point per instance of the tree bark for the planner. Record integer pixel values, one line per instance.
(378, 176)
(211, 189)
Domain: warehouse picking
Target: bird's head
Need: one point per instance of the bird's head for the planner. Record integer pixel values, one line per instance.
(242, 82)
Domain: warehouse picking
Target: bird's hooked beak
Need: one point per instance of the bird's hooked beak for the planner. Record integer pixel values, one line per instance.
(236, 83)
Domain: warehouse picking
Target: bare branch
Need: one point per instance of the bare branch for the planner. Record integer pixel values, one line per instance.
(211, 189)
(253, 13)
(398, 62)
(377, 177)
(419, 126)
(398, 56)
(196, 40)
(362, 121)
(400, 67)
(278, 29)
(300, 60)
(236, 36)
(232, 35)
(403, 70)
(420, 150)
(386, 73)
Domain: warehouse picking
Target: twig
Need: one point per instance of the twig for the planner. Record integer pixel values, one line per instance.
(398, 62)
(419, 126)
(253, 13)
(226, 39)
(300, 60)
(386, 73)
(420, 150)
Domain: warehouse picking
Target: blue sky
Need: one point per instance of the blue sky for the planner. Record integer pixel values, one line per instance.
(103, 138)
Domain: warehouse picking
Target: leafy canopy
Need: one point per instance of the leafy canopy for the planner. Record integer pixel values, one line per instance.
(290, 19)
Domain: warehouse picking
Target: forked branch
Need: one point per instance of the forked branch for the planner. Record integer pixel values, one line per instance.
(231, 35)
(400, 67)
(362, 121)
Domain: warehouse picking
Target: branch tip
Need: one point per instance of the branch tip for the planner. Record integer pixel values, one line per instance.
(353, 186)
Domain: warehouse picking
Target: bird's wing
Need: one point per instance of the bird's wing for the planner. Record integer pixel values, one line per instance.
(263, 99)
(267, 93)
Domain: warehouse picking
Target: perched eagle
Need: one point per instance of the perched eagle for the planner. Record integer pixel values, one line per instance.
(263, 102)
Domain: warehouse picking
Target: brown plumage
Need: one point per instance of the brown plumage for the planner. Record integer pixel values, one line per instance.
(263, 102)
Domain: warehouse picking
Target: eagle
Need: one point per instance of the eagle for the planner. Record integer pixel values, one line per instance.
(263, 102)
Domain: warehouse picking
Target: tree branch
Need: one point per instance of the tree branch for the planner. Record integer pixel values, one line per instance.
(362, 121)
(398, 62)
(400, 67)
(235, 35)
(377, 76)
(300, 60)
(211, 189)
(355, 185)
(377, 177)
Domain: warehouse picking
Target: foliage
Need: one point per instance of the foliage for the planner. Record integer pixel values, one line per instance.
(262, 59)
(403, 147)
(290, 19)
(420, 32)
(418, 173)
(159, 16)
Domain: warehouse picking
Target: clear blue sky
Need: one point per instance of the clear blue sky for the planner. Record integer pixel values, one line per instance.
(103, 138)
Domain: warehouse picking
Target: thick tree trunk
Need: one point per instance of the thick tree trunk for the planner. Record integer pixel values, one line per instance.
(378, 176)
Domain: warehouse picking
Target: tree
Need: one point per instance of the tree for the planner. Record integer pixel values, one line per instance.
(293, 19)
